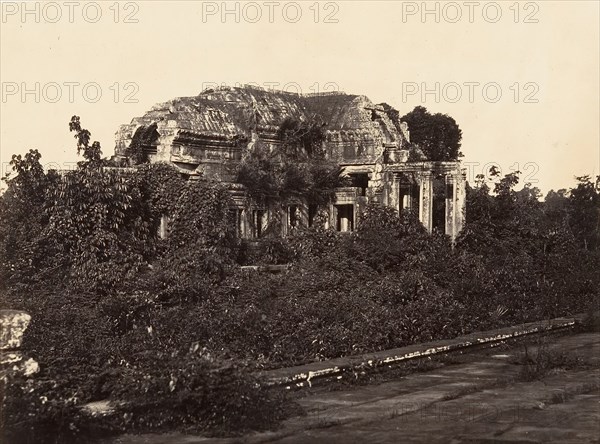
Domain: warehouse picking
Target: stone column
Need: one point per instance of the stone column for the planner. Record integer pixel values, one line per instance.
(163, 228)
(245, 219)
(303, 214)
(393, 195)
(332, 217)
(426, 201)
(344, 224)
(406, 203)
(459, 205)
(450, 200)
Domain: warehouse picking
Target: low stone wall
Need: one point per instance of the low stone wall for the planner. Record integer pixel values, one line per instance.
(309, 374)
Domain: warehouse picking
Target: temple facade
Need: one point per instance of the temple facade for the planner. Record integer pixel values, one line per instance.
(209, 135)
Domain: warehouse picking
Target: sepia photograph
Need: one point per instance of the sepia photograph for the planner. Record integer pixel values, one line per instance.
(295, 222)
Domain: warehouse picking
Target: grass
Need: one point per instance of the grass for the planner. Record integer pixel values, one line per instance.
(538, 362)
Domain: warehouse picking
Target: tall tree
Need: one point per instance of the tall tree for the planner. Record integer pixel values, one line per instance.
(584, 211)
(556, 206)
(22, 217)
(438, 135)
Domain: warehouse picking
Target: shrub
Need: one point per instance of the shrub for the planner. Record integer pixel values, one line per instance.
(43, 411)
(133, 350)
(539, 364)
(194, 391)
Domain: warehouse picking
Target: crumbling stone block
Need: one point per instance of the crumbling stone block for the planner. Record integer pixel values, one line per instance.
(13, 324)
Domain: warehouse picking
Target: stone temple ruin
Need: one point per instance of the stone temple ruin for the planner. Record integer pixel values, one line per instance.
(210, 133)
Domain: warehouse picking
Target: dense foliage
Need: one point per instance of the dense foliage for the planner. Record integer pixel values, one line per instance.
(297, 168)
(93, 348)
(72, 244)
(174, 325)
(95, 227)
(437, 135)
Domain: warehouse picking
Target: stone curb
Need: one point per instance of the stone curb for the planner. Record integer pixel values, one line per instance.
(319, 372)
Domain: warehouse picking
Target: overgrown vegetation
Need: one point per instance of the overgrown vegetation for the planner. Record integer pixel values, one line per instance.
(80, 252)
(542, 360)
(172, 324)
(296, 169)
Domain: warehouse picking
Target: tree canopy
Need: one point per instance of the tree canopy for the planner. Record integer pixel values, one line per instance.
(437, 135)
(297, 168)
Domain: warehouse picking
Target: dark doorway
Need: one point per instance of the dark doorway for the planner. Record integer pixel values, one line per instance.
(235, 221)
(408, 199)
(360, 180)
(257, 220)
(294, 216)
(312, 213)
(439, 205)
(345, 218)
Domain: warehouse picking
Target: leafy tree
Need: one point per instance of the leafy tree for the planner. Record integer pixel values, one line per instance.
(437, 135)
(22, 218)
(384, 239)
(97, 227)
(87, 228)
(201, 245)
(577, 210)
(297, 168)
(556, 206)
(91, 153)
(29, 177)
(258, 172)
(504, 221)
(144, 136)
(584, 203)
(161, 186)
(302, 140)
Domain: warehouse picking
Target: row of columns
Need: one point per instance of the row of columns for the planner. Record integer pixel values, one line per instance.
(454, 201)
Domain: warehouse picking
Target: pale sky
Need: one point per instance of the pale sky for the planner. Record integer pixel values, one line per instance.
(545, 66)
